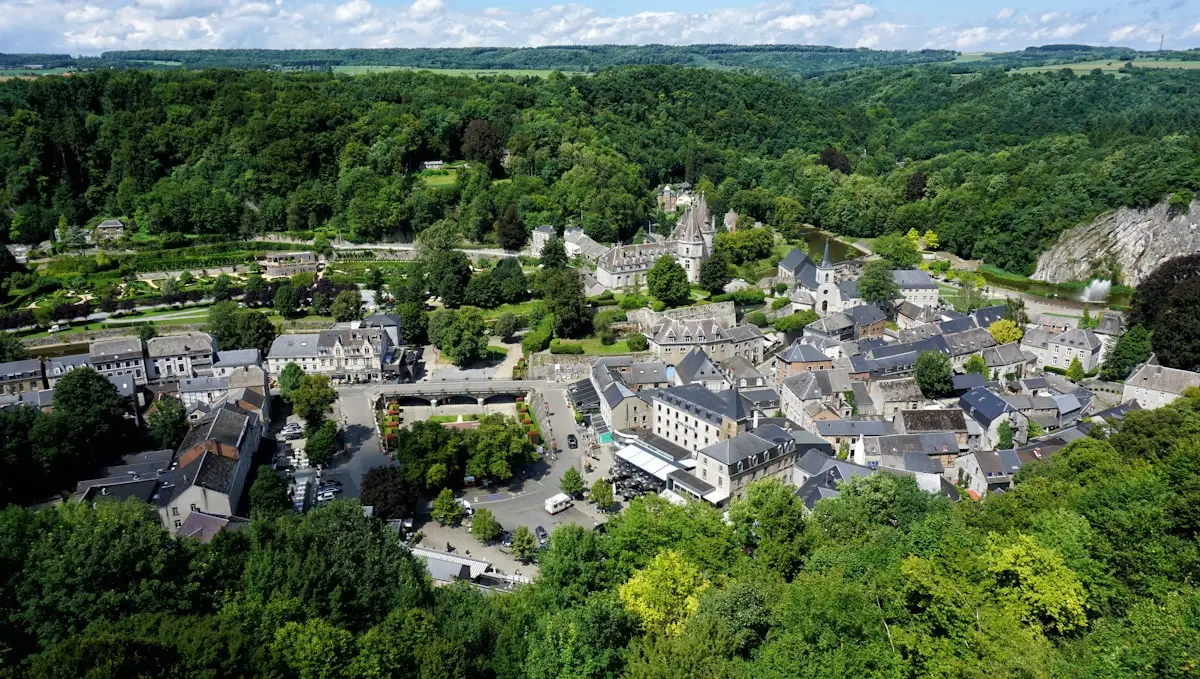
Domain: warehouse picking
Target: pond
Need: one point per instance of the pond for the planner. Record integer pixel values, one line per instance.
(1066, 294)
(839, 250)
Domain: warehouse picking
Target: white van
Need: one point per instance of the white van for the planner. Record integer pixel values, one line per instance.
(558, 503)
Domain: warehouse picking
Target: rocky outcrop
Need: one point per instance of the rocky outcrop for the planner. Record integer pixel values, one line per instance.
(1129, 242)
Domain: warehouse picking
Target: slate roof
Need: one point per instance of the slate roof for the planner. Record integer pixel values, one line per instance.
(1038, 338)
(797, 352)
(738, 448)
(117, 349)
(848, 290)
(1119, 412)
(742, 369)
(624, 258)
(988, 315)
(967, 381)
(696, 367)
(39, 398)
(199, 384)
(865, 314)
(701, 402)
(645, 372)
(832, 324)
(190, 344)
(855, 428)
(798, 263)
(917, 421)
(214, 472)
(1004, 354)
(935, 443)
(1077, 339)
(983, 405)
(226, 425)
(236, 358)
(817, 384)
(901, 389)
(57, 367)
(295, 346)
(20, 370)
(204, 527)
(969, 341)
(913, 279)
(1161, 378)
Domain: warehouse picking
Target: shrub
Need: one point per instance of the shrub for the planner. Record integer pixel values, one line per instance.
(635, 301)
(658, 306)
(780, 302)
(758, 318)
(638, 342)
(560, 347)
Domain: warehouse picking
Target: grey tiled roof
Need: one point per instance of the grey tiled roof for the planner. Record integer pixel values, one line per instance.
(865, 314)
(696, 367)
(226, 424)
(910, 279)
(701, 402)
(295, 346)
(855, 428)
(969, 341)
(19, 370)
(190, 344)
(797, 352)
(118, 349)
(236, 358)
(198, 384)
(1079, 339)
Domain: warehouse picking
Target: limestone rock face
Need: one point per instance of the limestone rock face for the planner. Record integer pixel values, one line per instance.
(1130, 241)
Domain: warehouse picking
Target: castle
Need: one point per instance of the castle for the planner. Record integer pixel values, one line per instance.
(690, 244)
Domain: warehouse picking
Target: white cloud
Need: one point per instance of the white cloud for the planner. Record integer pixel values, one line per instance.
(352, 11)
(424, 8)
(90, 26)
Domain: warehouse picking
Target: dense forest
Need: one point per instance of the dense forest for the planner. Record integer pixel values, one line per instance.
(1086, 568)
(997, 164)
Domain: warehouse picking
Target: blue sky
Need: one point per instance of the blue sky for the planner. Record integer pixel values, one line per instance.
(93, 26)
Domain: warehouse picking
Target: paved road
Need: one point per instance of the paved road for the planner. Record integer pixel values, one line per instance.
(521, 502)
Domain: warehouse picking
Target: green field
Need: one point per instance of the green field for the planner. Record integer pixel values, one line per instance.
(968, 57)
(592, 346)
(439, 178)
(1111, 65)
(28, 73)
(471, 72)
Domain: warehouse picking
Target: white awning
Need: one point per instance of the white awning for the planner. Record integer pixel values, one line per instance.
(648, 462)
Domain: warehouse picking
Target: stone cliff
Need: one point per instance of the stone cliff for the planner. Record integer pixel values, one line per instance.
(1128, 242)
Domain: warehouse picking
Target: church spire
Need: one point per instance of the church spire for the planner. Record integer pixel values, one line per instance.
(825, 263)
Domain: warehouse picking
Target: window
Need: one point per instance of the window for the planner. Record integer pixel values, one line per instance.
(174, 511)
(195, 508)
(178, 523)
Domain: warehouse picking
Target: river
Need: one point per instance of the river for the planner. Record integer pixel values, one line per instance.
(839, 250)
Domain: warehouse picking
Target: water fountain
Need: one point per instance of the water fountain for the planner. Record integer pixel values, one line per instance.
(1096, 291)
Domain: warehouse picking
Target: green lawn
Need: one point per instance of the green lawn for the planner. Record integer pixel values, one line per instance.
(441, 419)
(972, 56)
(446, 178)
(593, 347)
(520, 309)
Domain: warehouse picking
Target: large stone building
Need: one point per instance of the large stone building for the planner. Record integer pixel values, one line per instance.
(345, 355)
(1154, 385)
(673, 339)
(689, 244)
(180, 356)
(119, 357)
(693, 417)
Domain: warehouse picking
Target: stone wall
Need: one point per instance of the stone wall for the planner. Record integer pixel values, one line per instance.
(1132, 240)
(725, 313)
(569, 368)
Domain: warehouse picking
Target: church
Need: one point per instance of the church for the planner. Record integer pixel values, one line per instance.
(690, 244)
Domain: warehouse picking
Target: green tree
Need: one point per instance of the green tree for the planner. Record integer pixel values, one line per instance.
(414, 323)
(11, 348)
(321, 444)
(898, 250)
(314, 649)
(554, 254)
(167, 423)
(311, 400)
(510, 230)
(975, 364)
(1004, 434)
(448, 274)
(1036, 582)
(1075, 370)
(1131, 350)
(877, 285)
(290, 378)
(389, 491)
(1005, 331)
(507, 325)
(106, 656)
(637, 342)
(347, 306)
(460, 335)
(565, 300)
(795, 322)
(571, 482)
(147, 332)
(222, 288)
(602, 494)
(1014, 310)
(484, 526)
(770, 522)
(268, 494)
(668, 283)
(524, 544)
(933, 374)
(321, 304)
(287, 300)
(665, 593)
(789, 217)
(446, 510)
(714, 273)
(930, 240)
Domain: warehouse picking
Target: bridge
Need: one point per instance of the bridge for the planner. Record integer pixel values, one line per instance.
(435, 391)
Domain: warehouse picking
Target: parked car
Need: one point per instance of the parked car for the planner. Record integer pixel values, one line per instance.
(292, 435)
(572, 442)
(542, 536)
(326, 496)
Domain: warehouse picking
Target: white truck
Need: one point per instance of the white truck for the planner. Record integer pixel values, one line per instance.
(557, 503)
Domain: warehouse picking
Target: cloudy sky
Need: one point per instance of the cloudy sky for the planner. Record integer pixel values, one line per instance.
(93, 26)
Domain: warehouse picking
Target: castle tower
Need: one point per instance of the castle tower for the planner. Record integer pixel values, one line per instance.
(690, 247)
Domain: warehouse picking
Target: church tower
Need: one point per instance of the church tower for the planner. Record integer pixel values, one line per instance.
(829, 297)
(690, 247)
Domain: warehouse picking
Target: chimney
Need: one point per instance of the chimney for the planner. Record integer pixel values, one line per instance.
(755, 420)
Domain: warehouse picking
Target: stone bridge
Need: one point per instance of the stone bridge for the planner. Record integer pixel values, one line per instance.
(433, 392)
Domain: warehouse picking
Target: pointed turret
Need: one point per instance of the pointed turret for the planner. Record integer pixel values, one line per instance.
(825, 263)
(736, 408)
